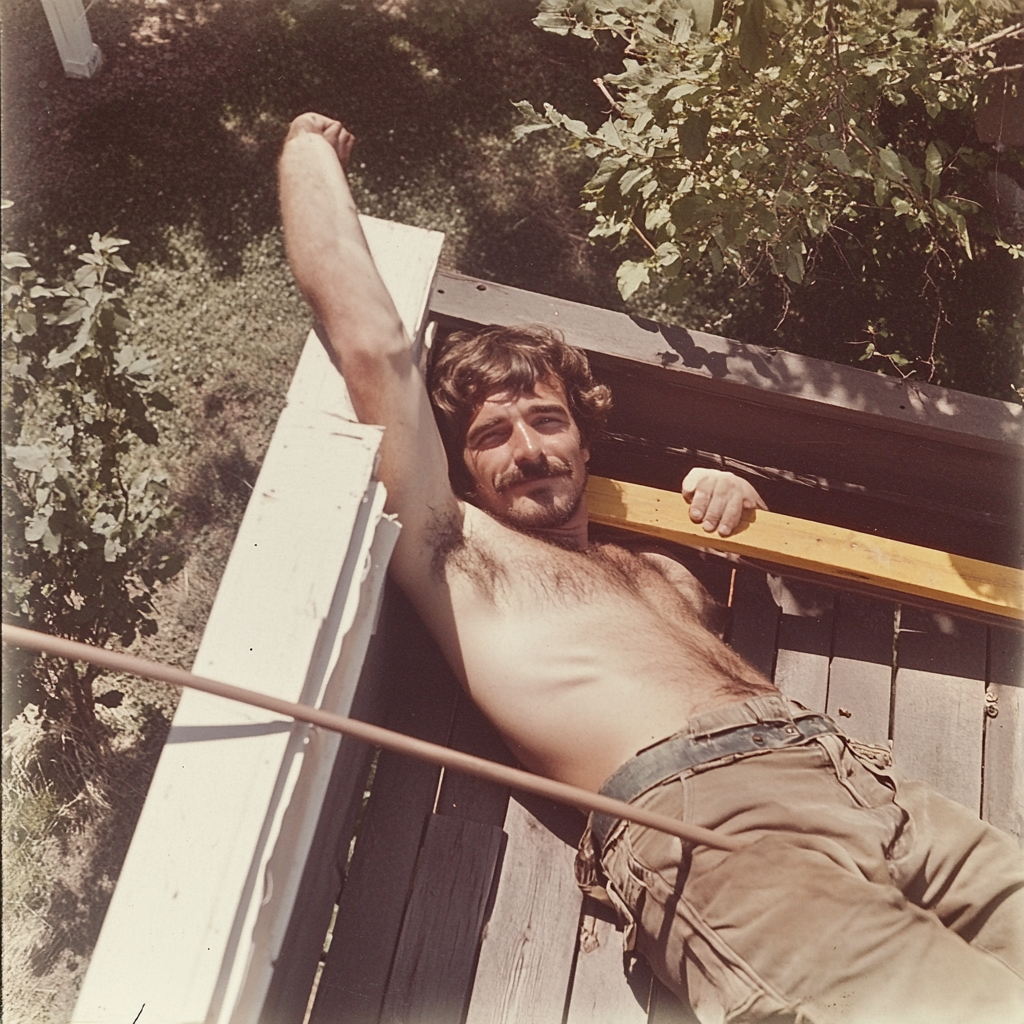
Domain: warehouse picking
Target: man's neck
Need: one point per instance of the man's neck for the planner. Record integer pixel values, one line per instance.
(572, 534)
(572, 537)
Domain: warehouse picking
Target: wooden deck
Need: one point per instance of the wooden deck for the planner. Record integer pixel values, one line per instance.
(264, 886)
(428, 862)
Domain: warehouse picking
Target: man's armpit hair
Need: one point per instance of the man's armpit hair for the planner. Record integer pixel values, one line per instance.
(452, 552)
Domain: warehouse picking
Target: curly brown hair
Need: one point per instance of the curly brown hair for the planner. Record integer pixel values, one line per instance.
(473, 365)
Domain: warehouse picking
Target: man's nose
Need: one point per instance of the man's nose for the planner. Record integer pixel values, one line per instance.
(526, 445)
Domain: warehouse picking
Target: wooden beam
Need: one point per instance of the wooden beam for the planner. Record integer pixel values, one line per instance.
(813, 547)
(771, 376)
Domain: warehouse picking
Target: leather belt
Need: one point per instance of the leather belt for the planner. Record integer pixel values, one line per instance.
(676, 754)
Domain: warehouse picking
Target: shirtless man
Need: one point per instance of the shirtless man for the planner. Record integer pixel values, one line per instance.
(850, 903)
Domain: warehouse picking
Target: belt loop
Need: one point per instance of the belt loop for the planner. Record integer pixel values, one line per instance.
(771, 708)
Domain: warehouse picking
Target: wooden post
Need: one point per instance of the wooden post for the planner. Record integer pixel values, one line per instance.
(80, 56)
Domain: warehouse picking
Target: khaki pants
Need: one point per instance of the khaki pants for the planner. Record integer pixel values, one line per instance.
(857, 900)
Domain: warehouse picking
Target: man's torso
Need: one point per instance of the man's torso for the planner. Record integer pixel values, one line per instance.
(579, 658)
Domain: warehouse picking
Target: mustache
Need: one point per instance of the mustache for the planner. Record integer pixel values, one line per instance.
(546, 468)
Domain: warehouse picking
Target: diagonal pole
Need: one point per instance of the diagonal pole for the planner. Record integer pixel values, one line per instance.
(502, 774)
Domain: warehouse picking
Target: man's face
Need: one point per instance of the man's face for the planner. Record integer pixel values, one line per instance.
(525, 457)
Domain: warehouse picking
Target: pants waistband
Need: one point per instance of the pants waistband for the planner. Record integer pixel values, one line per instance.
(762, 723)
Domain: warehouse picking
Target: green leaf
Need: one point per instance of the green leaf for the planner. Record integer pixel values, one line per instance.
(891, 166)
(839, 160)
(693, 135)
(630, 179)
(577, 128)
(36, 527)
(657, 217)
(752, 36)
(956, 218)
(793, 263)
(533, 121)
(610, 134)
(630, 276)
(30, 458)
(557, 23)
(15, 259)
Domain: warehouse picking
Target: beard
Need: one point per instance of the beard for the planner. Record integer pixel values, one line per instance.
(545, 511)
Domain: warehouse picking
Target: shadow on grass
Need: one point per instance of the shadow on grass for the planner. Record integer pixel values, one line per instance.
(88, 842)
(184, 123)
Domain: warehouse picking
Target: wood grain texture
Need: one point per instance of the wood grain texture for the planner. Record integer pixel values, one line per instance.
(804, 642)
(433, 968)
(463, 795)
(815, 547)
(299, 956)
(860, 674)
(753, 630)
(526, 956)
(939, 704)
(373, 901)
(602, 992)
(1003, 786)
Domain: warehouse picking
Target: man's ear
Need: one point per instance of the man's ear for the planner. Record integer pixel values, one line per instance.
(585, 452)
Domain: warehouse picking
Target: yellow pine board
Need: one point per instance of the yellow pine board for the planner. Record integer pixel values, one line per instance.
(815, 547)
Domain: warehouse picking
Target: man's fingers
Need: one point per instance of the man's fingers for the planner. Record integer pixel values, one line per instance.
(313, 123)
(732, 514)
(690, 481)
(718, 499)
(716, 507)
(699, 500)
(346, 140)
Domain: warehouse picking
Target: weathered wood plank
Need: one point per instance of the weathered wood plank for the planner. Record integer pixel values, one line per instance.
(463, 795)
(804, 642)
(860, 675)
(527, 952)
(939, 703)
(433, 969)
(299, 956)
(1003, 784)
(755, 621)
(373, 901)
(815, 547)
(602, 992)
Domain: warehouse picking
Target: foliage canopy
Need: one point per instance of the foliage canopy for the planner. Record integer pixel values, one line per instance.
(747, 133)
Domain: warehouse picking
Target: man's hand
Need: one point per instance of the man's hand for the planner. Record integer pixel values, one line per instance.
(719, 499)
(340, 138)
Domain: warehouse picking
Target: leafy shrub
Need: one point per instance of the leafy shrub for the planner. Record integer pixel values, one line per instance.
(83, 502)
(748, 132)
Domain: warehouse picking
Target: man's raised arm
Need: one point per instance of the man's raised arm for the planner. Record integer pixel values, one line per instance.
(336, 273)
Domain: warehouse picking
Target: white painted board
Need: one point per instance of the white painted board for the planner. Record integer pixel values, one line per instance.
(204, 893)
